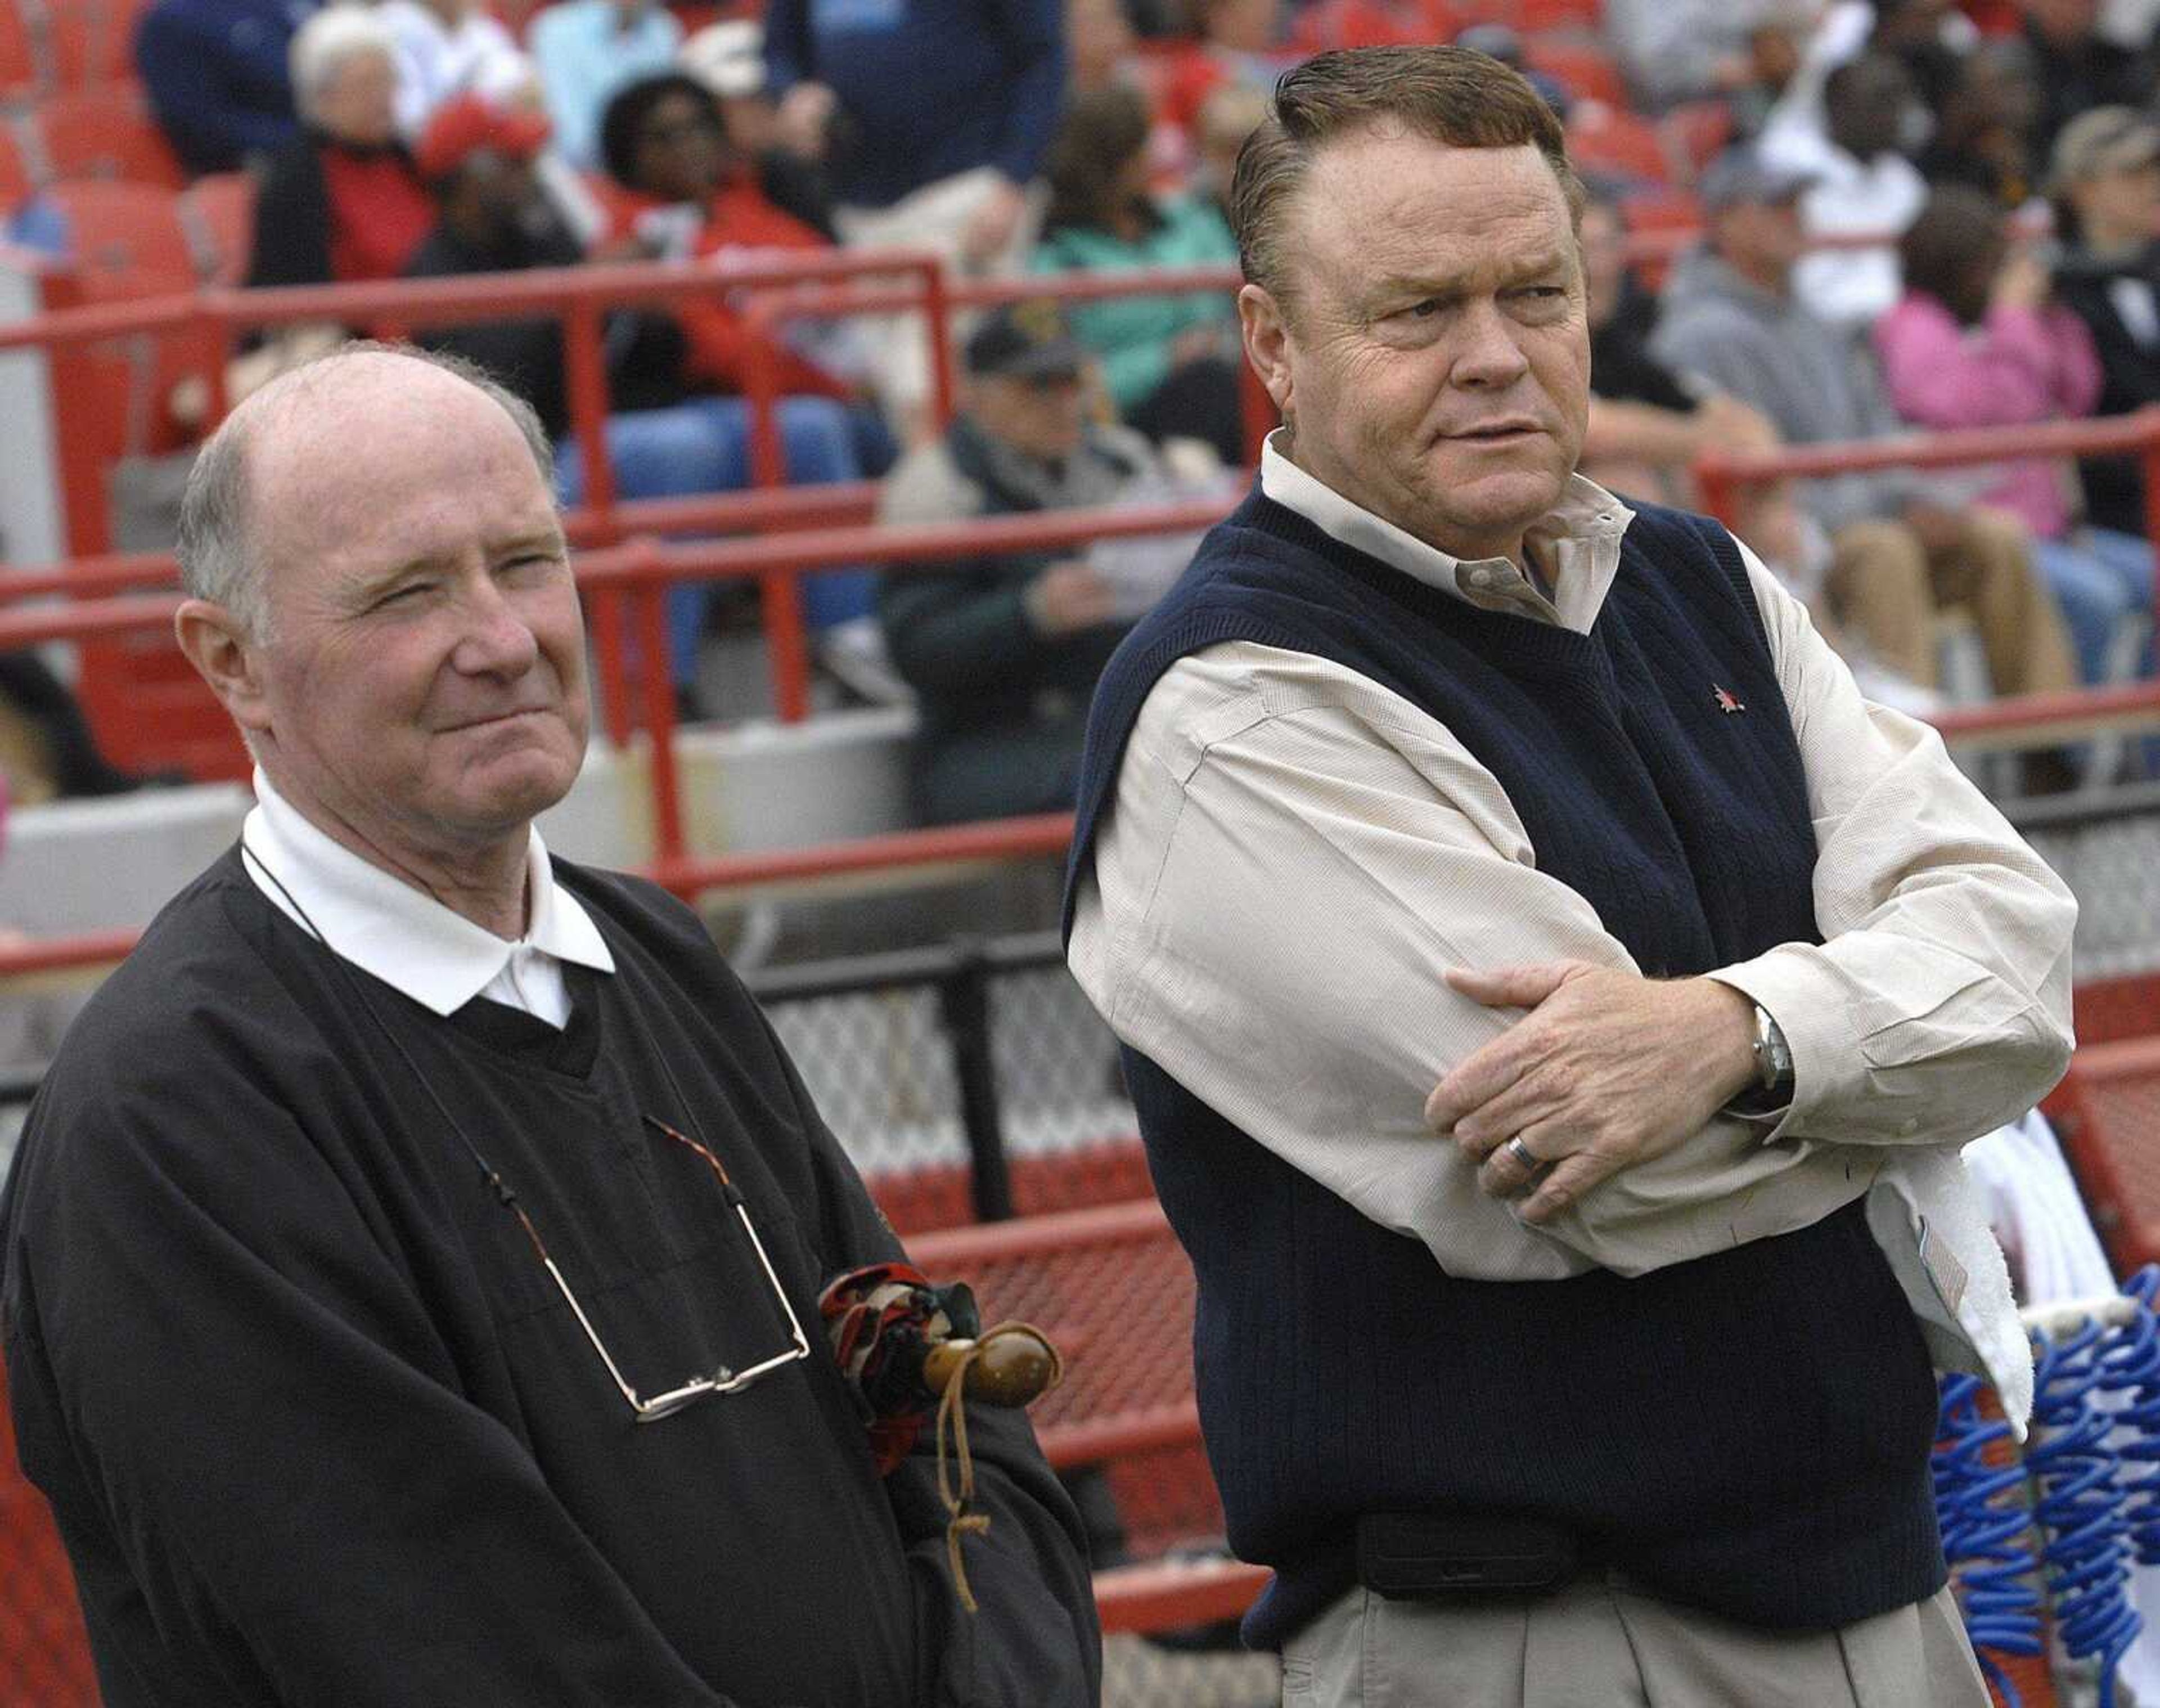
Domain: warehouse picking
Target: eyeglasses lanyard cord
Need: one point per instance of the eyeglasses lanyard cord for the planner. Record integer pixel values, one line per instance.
(489, 1173)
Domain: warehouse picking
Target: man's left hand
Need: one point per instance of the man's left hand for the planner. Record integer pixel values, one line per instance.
(1608, 1069)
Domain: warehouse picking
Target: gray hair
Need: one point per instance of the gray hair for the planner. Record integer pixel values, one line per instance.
(216, 562)
(322, 45)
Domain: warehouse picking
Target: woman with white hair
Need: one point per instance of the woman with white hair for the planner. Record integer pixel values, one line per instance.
(447, 48)
(342, 201)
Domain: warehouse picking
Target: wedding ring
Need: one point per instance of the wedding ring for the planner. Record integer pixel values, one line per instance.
(1521, 1152)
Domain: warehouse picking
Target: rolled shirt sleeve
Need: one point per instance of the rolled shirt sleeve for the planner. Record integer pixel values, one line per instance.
(1938, 1005)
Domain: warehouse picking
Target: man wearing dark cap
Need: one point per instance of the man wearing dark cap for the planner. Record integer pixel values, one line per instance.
(1905, 543)
(1003, 650)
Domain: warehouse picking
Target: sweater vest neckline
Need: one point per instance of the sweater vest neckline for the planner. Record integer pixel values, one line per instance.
(1525, 640)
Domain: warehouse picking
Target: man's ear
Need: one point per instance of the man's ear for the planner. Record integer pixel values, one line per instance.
(1267, 342)
(219, 647)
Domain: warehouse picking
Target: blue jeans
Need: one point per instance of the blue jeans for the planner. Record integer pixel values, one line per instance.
(2098, 577)
(704, 446)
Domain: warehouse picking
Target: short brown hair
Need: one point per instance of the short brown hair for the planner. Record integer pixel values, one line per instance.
(1953, 248)
(1454, 95)
(1101, 131)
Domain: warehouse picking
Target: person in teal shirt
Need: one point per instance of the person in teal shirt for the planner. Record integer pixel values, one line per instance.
(1169, 361)
(587, 50)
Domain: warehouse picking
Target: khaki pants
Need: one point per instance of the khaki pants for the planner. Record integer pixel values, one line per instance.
(1884, 589)
(1600, 1643)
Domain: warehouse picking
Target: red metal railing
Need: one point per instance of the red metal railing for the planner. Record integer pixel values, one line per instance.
(627, 586)
(777, 290)
(1721, 477)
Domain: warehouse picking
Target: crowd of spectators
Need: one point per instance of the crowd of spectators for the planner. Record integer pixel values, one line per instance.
(1987, 177)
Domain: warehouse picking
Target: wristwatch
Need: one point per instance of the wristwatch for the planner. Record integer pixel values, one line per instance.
(1773, 1056)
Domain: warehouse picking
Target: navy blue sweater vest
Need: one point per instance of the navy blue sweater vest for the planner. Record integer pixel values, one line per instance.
(1748, 1432)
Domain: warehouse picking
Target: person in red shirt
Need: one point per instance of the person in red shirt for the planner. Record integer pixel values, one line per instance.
(683, 192)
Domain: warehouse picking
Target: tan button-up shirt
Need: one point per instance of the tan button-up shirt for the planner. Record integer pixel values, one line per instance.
(1295, 855)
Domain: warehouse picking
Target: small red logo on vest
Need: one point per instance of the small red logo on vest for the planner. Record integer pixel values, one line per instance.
(1725, 703)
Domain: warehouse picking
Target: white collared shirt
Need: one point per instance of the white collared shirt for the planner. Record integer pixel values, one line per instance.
(1294, 854)
(1577, 548)
(407, 938)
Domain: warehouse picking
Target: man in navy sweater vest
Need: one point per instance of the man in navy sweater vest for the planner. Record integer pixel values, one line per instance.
(1554, 999)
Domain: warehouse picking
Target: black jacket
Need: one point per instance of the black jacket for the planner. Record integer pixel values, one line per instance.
(644, 347)
(2129, 372)
(318, 1428)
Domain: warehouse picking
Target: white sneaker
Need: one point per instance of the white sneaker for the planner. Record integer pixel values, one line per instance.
(853, 654)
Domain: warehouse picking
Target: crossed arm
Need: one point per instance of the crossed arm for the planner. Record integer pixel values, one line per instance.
(1356, 1024)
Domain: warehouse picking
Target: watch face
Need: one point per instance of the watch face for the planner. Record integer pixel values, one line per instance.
(1773, 1058)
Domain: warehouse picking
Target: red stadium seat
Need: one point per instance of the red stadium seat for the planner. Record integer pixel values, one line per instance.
(126, 237)
(1366, 23)
(1695, 133)
(1603, 138)
(14, 175)
(19, 73)
(128, 243)
(217, 212)
(1531, 15)
(103, 132)
(1114, 1291)
(1661, 215)
(91, 41)
(1583, 68)
(2110, 1010)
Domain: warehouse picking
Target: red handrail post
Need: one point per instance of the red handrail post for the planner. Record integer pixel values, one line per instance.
(649, 594)
(585, 364)
(937, 328)
(70, 373)
(585, 368)
(790, 649)
(212, 330)
(780, 597)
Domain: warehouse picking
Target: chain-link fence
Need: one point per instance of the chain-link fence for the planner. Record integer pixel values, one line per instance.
(969, 1081)
(2109, 856)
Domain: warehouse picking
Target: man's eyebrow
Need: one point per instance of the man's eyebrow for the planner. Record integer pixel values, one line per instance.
(1453, 284)
(549, 540)
(367, 586)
